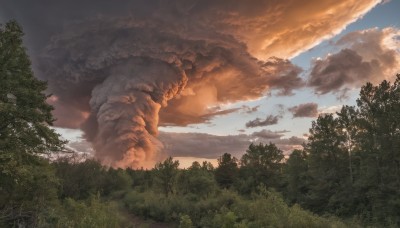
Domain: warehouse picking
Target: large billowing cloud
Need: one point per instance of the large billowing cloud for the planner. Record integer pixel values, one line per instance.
(367, 56)
(121, 68)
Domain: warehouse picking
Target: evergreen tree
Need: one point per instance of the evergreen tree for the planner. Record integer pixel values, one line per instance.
(378, 185)
(296, 176)
(227, 170)
(328, 169)
(261, 164)
(27, 181)
(354, 159)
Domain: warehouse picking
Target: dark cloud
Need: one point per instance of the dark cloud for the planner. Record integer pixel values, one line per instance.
(121, 68)
(305, 110)
(206, 118)
(280, 108)
(269, 120)
(267, 134)
(213, 146)
(367, 56)
(248, 110)
(286, 76)
(203, 145)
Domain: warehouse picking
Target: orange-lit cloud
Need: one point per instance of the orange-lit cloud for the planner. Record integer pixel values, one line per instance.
(286, 28)
(134, 65)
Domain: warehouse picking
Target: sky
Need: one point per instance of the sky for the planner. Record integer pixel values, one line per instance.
(134, 82)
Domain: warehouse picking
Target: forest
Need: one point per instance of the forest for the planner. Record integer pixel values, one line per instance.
(347, 175)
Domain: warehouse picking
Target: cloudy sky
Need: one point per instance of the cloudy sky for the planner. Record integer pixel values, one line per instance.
(136, 81)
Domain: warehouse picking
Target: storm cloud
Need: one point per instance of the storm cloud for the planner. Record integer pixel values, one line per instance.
(119, 69)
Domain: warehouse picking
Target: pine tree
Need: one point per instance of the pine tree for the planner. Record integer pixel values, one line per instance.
(262, 164)
(296, 176)
(328, 166)
(227, 170)
(24, 114)
(379, 139)
(26, 179)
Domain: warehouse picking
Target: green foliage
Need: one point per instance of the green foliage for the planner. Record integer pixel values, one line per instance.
(142, 179)
(378, 153)
(116, 180)
(226, 219)
(92, 213)
(80, 180)
(196, 180)
(27, 182)
(166, 173)
(261, 164)
(225, 209)
(227, 171)
(185, 222)
(27, 193)
(354, 159)
(295, 171)
(24, 113)
(328, 169)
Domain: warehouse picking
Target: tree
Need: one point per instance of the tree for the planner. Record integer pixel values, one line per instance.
(378, 183)
(348, 121)
(82, 179)
(197, 180)
(166, 173)
(27, 182)
(24, 114)
(328, 166)
(296, 176)
(262, 164)
(227, 170)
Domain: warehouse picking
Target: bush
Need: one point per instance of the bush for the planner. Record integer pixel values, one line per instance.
(92, 213)
(185, 222)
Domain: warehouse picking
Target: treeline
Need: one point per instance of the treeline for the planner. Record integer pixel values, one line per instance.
(176, 197)
(350, 166)
(349, 169)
